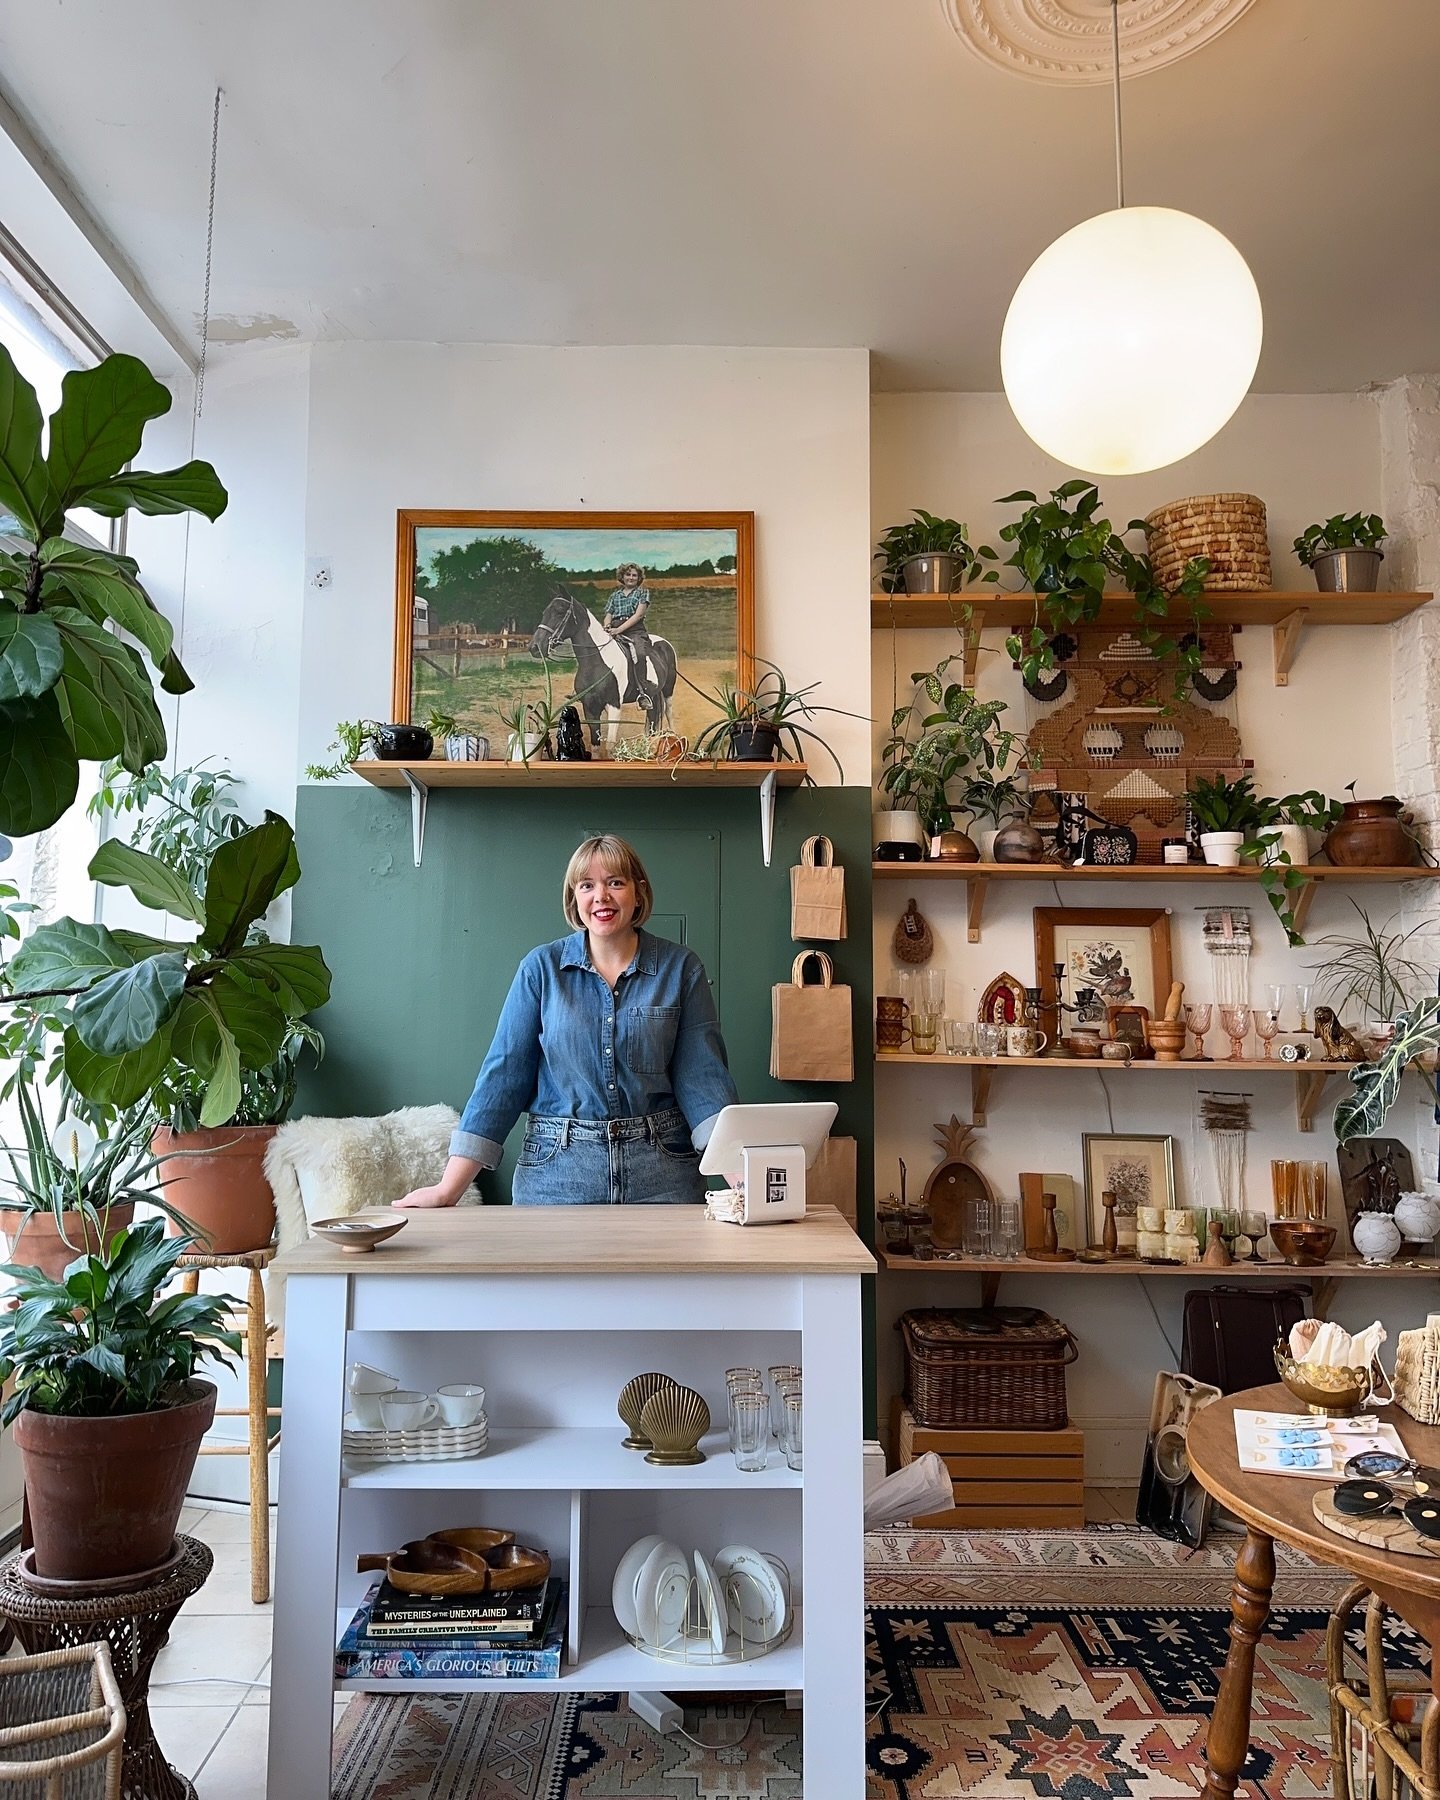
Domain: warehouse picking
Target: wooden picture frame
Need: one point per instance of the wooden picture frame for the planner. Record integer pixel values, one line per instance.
(701, 624)
(1143, 1166)
(1133, 940)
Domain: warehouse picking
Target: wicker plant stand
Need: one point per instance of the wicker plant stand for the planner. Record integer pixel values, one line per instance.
(1384, 1726)
(62, 1725)
(135, 1623)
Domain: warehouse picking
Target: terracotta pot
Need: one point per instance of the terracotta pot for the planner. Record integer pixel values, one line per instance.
(35, 1242)
(217, 1179)
(1019, 842)
(1371, 835)
(105, 1494)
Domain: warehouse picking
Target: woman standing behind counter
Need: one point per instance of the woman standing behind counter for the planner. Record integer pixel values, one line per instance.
(609, 1040)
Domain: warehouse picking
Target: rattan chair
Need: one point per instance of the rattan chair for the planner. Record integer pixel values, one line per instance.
(62, 1726)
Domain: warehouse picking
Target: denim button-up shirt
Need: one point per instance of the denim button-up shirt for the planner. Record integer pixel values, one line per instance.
(567, 1047)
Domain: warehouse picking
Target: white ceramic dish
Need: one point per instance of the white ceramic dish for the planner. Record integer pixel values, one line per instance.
(432, 1443)
(662, 1596)
(622, 1588)
(756, 1595)
(714, 1613)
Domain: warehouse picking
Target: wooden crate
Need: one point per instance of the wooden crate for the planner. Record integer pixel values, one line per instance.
(1007, 1479)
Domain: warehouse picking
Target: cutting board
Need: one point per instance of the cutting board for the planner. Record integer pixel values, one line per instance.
(1388, 1532)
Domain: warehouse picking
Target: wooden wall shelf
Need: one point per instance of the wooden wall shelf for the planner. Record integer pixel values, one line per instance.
(1287, 612)
(978, 877)
(1310, 1078)
(421, 777)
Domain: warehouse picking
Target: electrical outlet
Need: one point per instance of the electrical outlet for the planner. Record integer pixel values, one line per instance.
(319, 573)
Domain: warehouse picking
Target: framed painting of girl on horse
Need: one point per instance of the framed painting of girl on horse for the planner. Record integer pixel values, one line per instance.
(637, 617)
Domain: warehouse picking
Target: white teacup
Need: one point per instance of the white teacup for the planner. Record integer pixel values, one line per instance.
(407, 1410)
(366, 1387)
(460, 1404)
(1024, 1040)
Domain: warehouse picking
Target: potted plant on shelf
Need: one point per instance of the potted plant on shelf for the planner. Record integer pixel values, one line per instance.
(997, 800)
(1225, 811)
(384, 743)
(71, 689)
(1370, 971)
(928, 555)
(1371, 834)
(925, 752)
(1376, 1086)
(763, 722)
(1281, 846)
(108, 1414)
(1344, 553)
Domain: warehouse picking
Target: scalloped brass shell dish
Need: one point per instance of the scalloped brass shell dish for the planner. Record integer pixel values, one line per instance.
(631, 1403)
(675, 1420)
(1329, 1393)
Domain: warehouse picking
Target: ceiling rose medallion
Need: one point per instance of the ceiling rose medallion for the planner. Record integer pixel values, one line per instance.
(1069, 40)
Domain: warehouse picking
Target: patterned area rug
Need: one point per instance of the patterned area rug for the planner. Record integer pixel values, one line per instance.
(1076, 1665)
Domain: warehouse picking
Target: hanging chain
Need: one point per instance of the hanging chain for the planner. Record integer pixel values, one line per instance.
(1119, 135)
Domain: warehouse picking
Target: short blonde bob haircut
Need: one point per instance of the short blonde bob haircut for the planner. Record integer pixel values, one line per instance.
(619, 859)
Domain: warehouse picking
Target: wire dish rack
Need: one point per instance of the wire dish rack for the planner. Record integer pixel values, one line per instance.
(693, 1645)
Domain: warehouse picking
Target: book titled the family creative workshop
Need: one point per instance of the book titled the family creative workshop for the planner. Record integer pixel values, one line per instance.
(358, 1657)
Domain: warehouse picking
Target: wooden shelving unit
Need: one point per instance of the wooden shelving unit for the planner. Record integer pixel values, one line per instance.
(978, 878)
(1288, 613)
(420, 778)
(1309, 1078)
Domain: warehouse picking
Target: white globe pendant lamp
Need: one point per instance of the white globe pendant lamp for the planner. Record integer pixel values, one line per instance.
(1133, 338)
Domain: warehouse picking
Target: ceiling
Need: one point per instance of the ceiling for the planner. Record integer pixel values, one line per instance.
(766, 172)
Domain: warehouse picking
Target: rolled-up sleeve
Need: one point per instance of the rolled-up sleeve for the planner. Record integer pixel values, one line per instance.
(699, 1071)
(505, 1086)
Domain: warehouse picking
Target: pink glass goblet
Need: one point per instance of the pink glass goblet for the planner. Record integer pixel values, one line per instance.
(1267, 1025)
(1236, 1021)
(1197, 1018)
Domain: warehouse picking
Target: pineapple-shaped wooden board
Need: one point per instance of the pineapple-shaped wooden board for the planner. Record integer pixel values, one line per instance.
(953, 1183)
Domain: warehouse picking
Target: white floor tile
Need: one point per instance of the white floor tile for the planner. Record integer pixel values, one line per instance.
(190, 1517)
(187, 1734)
(210, 1658)
(260, 1696)
(227, 1590)
(222, 1526)
(235, 1769)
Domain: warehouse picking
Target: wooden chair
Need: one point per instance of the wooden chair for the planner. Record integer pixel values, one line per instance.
(255, 1330)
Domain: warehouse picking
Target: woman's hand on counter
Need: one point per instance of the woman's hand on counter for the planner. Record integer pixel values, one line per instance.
(427, 1196)
(449, 1190)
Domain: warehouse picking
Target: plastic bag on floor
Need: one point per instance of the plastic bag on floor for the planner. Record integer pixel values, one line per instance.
(921, 1487)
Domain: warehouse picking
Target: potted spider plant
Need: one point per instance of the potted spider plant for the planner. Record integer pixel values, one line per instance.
(996, 800)
(930, 555)
(1344, 553)
(768, 721)
(107, 1411)
(1370, 971)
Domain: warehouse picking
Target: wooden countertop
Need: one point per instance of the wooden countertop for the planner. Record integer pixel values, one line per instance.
(592, 1240)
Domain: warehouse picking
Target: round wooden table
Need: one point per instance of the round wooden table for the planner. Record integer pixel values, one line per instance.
(1278, 1506)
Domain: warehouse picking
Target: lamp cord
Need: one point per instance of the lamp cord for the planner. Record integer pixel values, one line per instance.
(1119, 134)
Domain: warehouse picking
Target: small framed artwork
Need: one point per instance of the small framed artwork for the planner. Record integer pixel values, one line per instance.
(1139, 1171)
(636, 617)
(1106, 956)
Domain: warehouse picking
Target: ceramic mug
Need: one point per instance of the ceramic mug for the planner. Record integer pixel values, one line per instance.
(366, 1386)
(1025, 1040)
(407, 1410)
(1116, 1050)
(890, 1027)
(460, 1404)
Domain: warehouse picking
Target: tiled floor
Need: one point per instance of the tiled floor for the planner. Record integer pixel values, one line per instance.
(210, 1696)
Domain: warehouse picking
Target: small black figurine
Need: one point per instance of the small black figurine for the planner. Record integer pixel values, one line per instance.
(570, 737)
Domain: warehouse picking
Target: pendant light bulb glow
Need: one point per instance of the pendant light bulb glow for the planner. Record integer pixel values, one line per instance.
(1131, 340)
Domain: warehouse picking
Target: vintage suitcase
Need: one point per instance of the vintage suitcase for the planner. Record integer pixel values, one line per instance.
(1230, 1333)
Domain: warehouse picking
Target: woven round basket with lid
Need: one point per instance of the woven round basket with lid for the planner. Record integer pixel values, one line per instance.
(1229, 529)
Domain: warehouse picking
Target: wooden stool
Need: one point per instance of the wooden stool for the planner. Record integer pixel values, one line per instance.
(255, 1329)
(134, 1622)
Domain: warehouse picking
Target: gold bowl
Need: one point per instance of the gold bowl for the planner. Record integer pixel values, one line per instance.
(1330, 1393)
(631, 1404)
(675, 1420)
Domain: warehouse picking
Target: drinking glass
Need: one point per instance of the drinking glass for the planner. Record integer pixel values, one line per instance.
(1276, 991)
(1008, 1237)
(1285, 1188)
(979, 1227)
(1254, 1225)
(1198, 1015)
(792, 1431)
(990, 1040)
(1267, 1024)
(750, 1431)
(959, 1037)
(1236, 1021)
(785, 1389)
(1303, 991)
(1311, 1195)
(924, 1029)
(930, 990)
(742, 1376)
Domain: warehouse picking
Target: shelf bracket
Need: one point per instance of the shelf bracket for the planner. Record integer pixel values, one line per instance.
(978, 886)
(1309, 1086)
(1285, 639)
(972, 647)
(989, 1287)
(767, 817)
(1322, 1294)
(419, 802)
(980, 1074)
(1300, 904)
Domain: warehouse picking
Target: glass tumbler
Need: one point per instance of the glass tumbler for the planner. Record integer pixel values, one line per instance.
(979, 1235)
(959, 1037)
(1008, 1238)
(924, 1032)
(792, 1431)
(785, 1388)
(1311, 1196)
(1285, 1188)
(750, 1431)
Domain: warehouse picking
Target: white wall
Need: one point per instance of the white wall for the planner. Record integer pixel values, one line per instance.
(1307, 456)
(781, 432)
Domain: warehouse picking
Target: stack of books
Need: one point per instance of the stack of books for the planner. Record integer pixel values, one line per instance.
(395, 1636)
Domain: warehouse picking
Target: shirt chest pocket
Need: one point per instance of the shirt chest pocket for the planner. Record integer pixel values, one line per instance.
(647, 1037)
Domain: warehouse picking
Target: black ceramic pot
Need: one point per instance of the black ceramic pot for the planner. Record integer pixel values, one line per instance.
(757, 742)
(403, 743)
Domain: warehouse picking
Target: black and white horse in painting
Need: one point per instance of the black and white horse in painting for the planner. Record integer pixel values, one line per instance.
(604, 681)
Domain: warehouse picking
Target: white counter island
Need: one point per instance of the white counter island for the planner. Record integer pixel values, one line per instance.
(552, 1310)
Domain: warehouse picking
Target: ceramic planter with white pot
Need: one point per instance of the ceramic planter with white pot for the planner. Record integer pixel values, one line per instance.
(892, 831)
(525, 749)
(1418, 1216)
(1291, 841)
(985, 842)
(1376, 1236)
(1221, 849)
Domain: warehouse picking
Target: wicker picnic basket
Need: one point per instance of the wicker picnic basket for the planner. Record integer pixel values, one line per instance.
(62, 1725)
(995, 1366)
(1229, 529)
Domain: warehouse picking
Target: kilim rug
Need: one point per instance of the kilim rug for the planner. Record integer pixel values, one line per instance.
(1067, 1665)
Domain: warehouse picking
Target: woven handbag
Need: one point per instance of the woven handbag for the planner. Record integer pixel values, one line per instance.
(1417, 1374)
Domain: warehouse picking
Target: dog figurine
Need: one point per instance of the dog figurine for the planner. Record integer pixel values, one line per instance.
(1340, 1045)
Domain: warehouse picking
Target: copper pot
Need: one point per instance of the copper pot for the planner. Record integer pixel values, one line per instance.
(1370, 834)
(955, 846)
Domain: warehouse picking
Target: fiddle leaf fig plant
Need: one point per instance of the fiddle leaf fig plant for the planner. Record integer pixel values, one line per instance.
(136, 1006)
(71, 690)
(1376, 1085)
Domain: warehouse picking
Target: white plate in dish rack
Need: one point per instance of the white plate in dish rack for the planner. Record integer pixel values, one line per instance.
(431, 1443)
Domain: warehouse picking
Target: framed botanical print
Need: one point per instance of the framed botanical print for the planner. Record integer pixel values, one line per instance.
(1139, 1171)
(637, 617)
(1107, 957)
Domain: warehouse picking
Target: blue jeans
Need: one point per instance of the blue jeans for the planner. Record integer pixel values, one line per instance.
(608, 1162)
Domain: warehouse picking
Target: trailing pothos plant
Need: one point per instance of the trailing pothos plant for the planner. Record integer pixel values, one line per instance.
(134, 1004)
(70, 689)
(1376, 1085)
(1281, 880)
